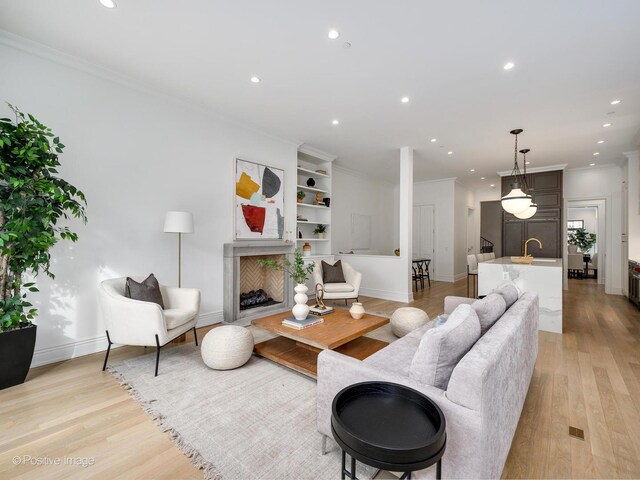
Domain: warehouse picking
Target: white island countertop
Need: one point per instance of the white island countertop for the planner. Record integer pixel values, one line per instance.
(543, 276)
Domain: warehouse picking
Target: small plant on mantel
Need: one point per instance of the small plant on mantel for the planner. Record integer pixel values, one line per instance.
(297, 270)
(33, 199)
(320, 230)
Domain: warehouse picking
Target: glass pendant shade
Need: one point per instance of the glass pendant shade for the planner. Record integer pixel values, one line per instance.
(528, 213)
(516, 201)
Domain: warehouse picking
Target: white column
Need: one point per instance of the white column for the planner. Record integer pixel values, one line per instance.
(406, 216)
(633, 206)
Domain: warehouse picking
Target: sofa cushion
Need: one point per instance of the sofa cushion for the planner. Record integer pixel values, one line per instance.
(489, 310)
(174, 317)
(509, 292)
(396, 357)
(441, 348)
(146, 291)
(338, 287)
(419, 332)
(332, 273)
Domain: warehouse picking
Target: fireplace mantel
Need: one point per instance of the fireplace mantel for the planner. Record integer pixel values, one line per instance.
(233, 252)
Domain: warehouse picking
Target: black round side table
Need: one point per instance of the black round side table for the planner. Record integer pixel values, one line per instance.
(388, 426)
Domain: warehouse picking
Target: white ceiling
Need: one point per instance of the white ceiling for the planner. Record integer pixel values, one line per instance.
(571, 59)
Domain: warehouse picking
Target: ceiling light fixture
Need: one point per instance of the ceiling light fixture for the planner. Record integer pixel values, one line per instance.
(592, 164)
(335, 122)
(255, 79)
(596, 154)
(404, 99)
(434, 140)
(533, 208)
(606, 125)
(449, 153)
(516, 201)
(615, 102)
(108, 3)
(493, 185)
(481, 178)
(508, 65)
(333, 34)
(472, 170)
(600, 141)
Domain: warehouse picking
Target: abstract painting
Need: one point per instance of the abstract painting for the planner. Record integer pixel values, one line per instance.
(259, 201)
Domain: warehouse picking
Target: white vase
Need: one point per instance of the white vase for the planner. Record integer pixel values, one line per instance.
(320, 236)
(357, 310)
(300, 310)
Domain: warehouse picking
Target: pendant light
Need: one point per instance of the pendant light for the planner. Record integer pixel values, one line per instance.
(516, 201)
(533, 208)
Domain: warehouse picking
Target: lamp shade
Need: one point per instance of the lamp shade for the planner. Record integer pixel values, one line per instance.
(178, 222)
(516, 201)
(528, 213)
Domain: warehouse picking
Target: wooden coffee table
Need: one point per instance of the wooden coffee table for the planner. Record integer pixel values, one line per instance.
(299, 349)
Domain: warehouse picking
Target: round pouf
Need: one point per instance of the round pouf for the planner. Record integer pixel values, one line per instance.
(227, 347)
(406, 319)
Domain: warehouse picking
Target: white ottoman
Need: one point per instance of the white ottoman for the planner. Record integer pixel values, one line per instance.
(407, 319)
(227, 347)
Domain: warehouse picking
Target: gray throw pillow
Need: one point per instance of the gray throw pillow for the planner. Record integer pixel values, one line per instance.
(332, 273)
(489, 310)
(442, 348)
(147, 291)
(509, 292)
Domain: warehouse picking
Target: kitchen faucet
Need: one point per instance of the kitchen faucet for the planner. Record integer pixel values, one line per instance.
(526, 244)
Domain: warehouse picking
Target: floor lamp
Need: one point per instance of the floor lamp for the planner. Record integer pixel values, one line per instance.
(179, 222)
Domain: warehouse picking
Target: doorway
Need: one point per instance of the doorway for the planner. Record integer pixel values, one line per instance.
(590, 215)
(424, 228)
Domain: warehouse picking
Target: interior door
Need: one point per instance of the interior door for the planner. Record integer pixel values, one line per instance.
(424, 234)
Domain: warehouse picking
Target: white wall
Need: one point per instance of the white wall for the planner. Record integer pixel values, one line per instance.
(595, 183)
(463, 201)
(633, 205)
(135, 155)
(440, 194)
(353, 192)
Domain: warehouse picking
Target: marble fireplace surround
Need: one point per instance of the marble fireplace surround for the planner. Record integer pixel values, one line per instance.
(233, 252)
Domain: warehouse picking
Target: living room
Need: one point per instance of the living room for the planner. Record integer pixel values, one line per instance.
(376, 135)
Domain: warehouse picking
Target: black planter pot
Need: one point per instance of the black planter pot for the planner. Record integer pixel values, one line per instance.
(16, 353)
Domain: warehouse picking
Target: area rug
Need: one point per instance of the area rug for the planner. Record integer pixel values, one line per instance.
(254, 422)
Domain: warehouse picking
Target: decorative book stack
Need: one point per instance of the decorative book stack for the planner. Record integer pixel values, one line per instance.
(316, 310)
(310, 321)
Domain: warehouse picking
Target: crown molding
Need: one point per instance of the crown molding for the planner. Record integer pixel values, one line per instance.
(316, 152)
(549, 168)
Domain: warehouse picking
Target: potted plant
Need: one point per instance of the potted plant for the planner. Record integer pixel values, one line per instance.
(301, 196)
(583, 239)
(299, 273)
(32, 202)
(320, 230)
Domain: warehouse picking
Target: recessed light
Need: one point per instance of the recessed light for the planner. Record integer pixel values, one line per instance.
(492, 185)
(333, 34)
(335, 122)
(527, 162)
(472, 170)
(434, 140)
(481, 178)
(615, 102)
(255, 79)
(596, 154)
(606, 125)
(449, 153)
(592, 164)
(600, 141)
(108, 3)
(404, 99)
(508, 65)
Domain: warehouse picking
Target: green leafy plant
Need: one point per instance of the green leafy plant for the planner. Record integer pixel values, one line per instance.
(583, 239)
(301, 195)
(296, 270)
(320, 228)
(32, 202)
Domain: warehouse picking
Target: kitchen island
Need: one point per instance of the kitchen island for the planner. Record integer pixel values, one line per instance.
(543, 276)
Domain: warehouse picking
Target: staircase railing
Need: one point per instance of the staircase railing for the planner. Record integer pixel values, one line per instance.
(486, 246)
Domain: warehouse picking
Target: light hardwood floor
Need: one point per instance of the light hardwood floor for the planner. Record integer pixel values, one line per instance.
(587, 378)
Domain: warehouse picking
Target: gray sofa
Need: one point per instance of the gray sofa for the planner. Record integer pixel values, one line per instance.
(483, 397)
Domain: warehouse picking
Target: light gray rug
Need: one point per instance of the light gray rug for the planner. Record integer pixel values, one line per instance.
(258, 421)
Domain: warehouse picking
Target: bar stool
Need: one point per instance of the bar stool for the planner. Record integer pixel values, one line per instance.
(472, 271)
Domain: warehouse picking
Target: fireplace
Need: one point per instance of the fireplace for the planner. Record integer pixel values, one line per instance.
(252, 291)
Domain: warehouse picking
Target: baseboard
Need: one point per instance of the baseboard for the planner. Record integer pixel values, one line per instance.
(386, 295)
(79, 348)
(460, 276)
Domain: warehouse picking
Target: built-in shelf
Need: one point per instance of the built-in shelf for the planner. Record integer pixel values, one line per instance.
(313, 223)
(313, 239)
(314, 189)
(312, 172)
(313, 206)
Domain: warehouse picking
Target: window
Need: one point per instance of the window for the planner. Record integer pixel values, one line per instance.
(575, 224)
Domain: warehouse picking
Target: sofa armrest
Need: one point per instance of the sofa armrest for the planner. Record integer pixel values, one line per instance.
(187, 298)
(132, 322)
(451, 302)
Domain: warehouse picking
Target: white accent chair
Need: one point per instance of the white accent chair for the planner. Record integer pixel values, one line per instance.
(132, 322)
(339, 291)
